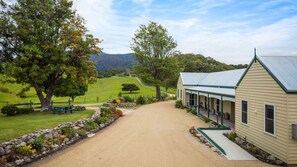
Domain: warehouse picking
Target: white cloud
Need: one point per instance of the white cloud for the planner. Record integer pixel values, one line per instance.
(230, 46)
(143, 2)
(230, 42)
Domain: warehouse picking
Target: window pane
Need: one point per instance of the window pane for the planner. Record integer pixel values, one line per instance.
(244, 105)
(269, 111)
(269, 126)
(244, 111)
(269, 119)
(244, 117)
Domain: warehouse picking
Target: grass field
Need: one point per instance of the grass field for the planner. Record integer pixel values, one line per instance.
(16, 126)
(103, 89)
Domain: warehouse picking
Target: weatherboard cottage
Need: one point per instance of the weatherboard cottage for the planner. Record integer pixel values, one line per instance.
(261, 102)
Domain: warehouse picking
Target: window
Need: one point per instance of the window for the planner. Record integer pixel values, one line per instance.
(244, 111)
(269, 119)
(178, 93)
(191, 102)
(181, 94)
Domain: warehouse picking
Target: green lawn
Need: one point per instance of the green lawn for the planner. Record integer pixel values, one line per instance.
(104, 89)
(16, 126)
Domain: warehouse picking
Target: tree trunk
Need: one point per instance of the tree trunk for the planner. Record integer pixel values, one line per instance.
(45, 101)
(158, 93)
(73, 97)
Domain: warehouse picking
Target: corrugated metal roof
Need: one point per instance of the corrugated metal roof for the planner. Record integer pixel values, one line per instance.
(284, 69)
(223, 78)
(190, 78)
(219, 91)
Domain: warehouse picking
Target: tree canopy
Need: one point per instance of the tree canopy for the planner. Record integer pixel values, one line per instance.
(152, 47)
(46, 42)
(129, 87)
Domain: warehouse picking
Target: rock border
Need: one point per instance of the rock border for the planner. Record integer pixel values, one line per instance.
(203, 140)
(119, 105)
(258, 153)
(7, 148)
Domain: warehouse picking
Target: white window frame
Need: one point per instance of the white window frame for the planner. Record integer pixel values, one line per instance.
(274, 119)
(247, 115)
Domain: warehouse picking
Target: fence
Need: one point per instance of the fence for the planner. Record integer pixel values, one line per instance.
(34, 105)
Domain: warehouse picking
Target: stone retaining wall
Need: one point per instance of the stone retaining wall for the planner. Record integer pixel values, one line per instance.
(10, 158)
(119, 105)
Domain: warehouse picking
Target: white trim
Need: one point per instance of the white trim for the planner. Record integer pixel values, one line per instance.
(229, 99)
(247, 112)
(274, 119)
(203, 94)
(214, 96)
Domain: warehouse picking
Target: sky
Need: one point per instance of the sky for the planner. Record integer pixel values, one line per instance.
(227, 30)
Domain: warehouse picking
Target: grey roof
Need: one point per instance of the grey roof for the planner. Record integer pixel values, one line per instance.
(190, 78)
(223, 78)
(216, 79)
(220, 91)
(283, 69)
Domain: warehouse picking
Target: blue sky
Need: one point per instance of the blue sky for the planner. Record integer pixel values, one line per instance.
(227, 30)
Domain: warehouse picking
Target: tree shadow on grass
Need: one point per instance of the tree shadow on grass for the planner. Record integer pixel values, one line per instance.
(128, 93)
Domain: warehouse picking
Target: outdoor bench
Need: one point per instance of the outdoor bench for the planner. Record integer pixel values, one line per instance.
(62, 109)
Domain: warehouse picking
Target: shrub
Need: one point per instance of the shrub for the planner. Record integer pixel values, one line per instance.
(100, 120)
(178, 104)
(81, 132)
(254, 150)
(206, 120)
(163, 96)
(25, 110)
(38, 142)
(9, 110)
(90, 125)
(190, 110)
(151, 100)
(24, 150)
(68, 131)
(120, 94)
(118, 113)
(140, 100)
(106, 112)
(193, 111)
(53, 140)
(4, 90)
(128, 99)
(232, 135)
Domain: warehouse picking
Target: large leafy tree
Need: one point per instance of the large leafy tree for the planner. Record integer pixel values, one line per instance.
(129, 87)
(45, 42)
(153, 46)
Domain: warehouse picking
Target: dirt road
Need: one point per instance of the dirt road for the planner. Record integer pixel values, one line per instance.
(154, 135)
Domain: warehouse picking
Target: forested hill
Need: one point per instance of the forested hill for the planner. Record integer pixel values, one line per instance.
(113, 61)
(118, 63)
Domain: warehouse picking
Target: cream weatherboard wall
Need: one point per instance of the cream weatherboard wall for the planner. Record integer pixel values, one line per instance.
(292, 119)
(259, 88)
(181, 92)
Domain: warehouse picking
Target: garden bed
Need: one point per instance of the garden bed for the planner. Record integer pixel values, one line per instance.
(33, 146)
(254, 150)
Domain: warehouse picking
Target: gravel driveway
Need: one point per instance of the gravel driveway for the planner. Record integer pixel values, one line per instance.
(154, 135)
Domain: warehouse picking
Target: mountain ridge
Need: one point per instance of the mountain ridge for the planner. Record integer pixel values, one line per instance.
(106, 61)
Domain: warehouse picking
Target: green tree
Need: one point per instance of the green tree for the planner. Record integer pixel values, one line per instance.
(45, 41)
(152, 48)
(198, 63)
(129, 87)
